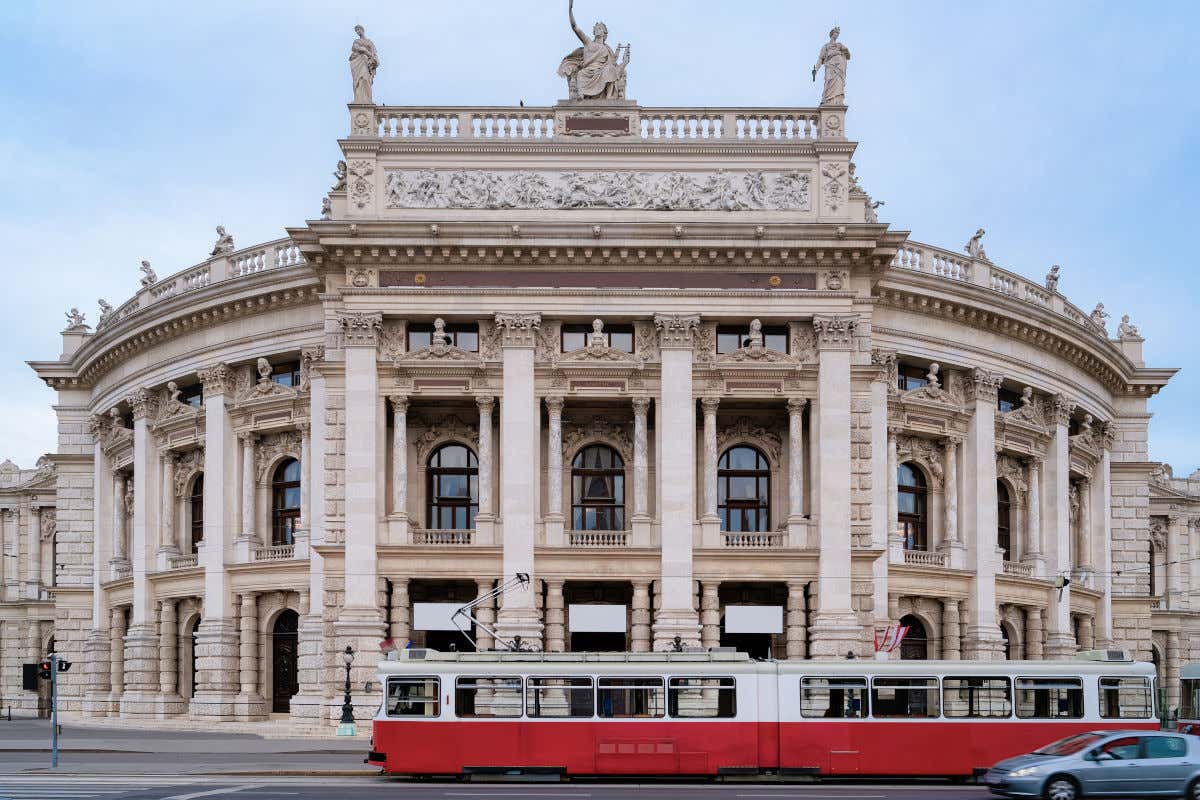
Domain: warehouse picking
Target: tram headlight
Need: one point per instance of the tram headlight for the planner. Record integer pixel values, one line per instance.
(1025, 772)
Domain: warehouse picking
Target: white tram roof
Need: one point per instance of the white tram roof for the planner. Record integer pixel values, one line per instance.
(420, 660)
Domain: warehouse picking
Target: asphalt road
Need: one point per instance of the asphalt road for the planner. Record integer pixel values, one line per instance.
(172, 788)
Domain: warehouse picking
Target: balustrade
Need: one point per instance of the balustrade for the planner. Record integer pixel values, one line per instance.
(598, 538)
(182, 562)
(923, 558)
(442, 537)
(275, 553)
(752, 541)
(1017, 569)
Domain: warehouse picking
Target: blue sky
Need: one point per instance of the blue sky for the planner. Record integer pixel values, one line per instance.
(1068, 130)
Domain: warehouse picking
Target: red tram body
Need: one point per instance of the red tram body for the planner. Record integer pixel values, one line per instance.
(710, 714)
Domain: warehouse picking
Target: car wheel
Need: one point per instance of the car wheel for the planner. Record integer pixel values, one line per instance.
(1193, 790)
(1060, 787)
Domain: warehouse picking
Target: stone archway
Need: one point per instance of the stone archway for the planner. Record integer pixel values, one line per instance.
(284, 661)
(915, 646)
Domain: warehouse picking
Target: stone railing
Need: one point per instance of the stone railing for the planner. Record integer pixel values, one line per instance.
(281, 552)
(1018, 570)
(924, 558)
(955, 267)
(651, 124)
(598, 538)
(183, 562)
(442, 537)
(230, 266)
(751, 541)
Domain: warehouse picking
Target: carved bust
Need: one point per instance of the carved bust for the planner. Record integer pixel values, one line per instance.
(264, 370)
(597, 339)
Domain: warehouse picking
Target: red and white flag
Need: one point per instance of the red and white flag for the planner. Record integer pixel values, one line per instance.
(889, 638)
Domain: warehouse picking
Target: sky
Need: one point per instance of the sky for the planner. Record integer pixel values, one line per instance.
(1068, 130)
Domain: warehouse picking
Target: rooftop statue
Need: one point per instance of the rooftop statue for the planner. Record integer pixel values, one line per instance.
(339, 177)
(1098, 316)
(224, 242)
(364, 60)
(833, 57)
(76, 321)
(974, 247)
(1126, 329)
(594, 71)
(1052, 278)
(148, 276)
(106, 311)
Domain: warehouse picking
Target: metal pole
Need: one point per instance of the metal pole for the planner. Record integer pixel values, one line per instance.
(54, 710)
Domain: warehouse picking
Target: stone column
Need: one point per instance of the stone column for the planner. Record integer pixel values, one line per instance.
(116, 635)
(246, 533)
(952, 543)
(1087, 637)
(1085, 529)
(835, 629)
(141, 640)
(302, 427)
(676, 470)
(951, 647)
(167, 545)
(639, 618)
(520, 423)
(710, 615)
(1103, 501)
(895, 537)
(797, 621)
(34, 584)
(485, 519)
(1171, 674)
(1034, 632)
(1176, 536)
(556, 629)
(216, 640)
(97, 653)
(554, 472)
(401, 630)
(893, 609)
(882, 386)
(709, 406)
(641, 473)
(979, 501)
(169, 702)
(11, 587)
(795, 407)
(1033, 519)
(1056, 519)
(249, 704)
(120, 519)
(399, 455)
(485, 613)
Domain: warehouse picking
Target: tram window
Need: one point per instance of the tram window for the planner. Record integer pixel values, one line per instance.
(630, 697)
(840, 698)
(487, 696)
(905, 697)
(413, 697)
(1049, 698)
(559, 697)
(702, 697)
(1125, 698)
(978, 698)
(1189, 700)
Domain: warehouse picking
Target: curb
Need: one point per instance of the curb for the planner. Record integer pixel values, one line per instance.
(296, 773)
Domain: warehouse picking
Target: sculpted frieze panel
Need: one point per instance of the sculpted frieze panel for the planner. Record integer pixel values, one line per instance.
(186, 467)
(925, 452)
(721, 190)
(1015, 473)
(251, 392)
(269, 449)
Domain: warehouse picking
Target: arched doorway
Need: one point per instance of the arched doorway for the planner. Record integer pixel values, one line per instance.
(915, 646)
(284, 650)
(1007, 639)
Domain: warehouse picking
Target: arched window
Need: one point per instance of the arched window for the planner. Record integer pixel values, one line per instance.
(744, 490)
(915, 645)
(598, 490)
(285, 502)
(912, 502)
(453, 488)
(196, 507)
(1003, 528)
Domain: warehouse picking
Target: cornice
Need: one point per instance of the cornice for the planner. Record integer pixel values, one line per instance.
(651, 149)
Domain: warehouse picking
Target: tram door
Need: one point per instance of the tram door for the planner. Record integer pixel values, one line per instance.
(284, 653)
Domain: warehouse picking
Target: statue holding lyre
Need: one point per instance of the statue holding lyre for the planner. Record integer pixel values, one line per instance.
(594, 71)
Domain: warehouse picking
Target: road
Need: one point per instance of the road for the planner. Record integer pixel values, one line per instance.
(175, 788)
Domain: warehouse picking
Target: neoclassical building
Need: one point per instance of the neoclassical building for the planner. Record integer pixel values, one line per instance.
(665, 361)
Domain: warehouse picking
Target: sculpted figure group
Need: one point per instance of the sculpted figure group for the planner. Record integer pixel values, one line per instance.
(594, 71)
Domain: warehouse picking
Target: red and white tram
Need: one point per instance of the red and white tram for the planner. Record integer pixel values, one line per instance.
(723, 714)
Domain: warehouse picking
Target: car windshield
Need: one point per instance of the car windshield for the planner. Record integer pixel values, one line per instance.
(1069, 745)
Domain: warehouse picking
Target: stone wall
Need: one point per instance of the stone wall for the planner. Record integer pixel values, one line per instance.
(861, 482)
(335, 464)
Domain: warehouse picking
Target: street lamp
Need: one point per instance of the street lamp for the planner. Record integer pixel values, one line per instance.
(346, 726)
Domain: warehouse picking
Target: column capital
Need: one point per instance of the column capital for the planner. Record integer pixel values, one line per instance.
(675, 330)
(303, 425)
(983, 386)
(217, 380)
(1061, 409)
(710, 404)
(835, 331)
(485, 402)
(555, 403)
(360, 329)
(518, 329)
(399, 403)
(887, 363)
(950, 442)
(641, 404)
(248, 438)
(796, 405)
(143, 404)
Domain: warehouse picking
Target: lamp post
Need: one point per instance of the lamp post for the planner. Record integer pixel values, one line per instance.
(346, 725)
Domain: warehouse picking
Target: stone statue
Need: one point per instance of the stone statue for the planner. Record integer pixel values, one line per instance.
(974, 247)
(1098, 316)
(173, 391)
(833, 57)
(596, 339)
(224, 242)
(326, 208)
(364, 60)
(872, 205)
(594, 71)
(1026, 396)
(264, 370)
(932, 376)
(1126, 329)
(1052, 278)
(439, 338)
(339, 174)
(105, 311)
(1085, 425)
(76, 320)
(755, 340)
(148, 276)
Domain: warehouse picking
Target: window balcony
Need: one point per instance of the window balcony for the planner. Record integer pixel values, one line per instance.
(752, 541)
(591, 539)
(276, 553)
(189, 561)
(458, 538)
(1018, 570)
(924, 558)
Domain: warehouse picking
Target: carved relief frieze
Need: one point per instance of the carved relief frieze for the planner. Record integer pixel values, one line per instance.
(834, 188)
(48, 523)
(704, 345)
(186, 466)
(645, 338)
(435, 430)
(889, 367)
(548, 348)
(1015, 472)
(746, 430)
(269, 449)
(310, 358)
(518, 330)
(676, 331)
(835, 332)
(720, 190)
(1159, 526)
(803, 342)
(362, 277)
(596, 429)
(925, 452)
(362, 184)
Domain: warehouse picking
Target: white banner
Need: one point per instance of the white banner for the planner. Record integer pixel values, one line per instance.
(754, 619)
(435, 616)
(596, 618)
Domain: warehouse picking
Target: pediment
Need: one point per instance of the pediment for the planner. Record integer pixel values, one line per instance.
(441, 352)
(754, 356)
(265, 391)
(599, 354)
(932, 396)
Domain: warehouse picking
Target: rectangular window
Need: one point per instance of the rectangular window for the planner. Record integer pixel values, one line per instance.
(909, 377)
(192, 396)
(1189, 699)
(905, 697)
(731, 339)
(1049, 698)
(980, 698)
(576, 337)
(464, 336)
(703, 697)
(836, 698)
(559, 697)
(1007, 400)
(630, 697)
(413, 697)
(487, 697)
(286, 374)
(1125, 698)
(1165, 747)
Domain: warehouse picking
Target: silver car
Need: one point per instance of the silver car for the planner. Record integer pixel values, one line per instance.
(1104, 764)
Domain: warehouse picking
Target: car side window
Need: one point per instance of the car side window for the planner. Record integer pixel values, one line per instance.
(1165, 747)
(1123, 749)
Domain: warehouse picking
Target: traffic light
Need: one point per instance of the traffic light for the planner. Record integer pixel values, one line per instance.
(44, 670)
(64, 666)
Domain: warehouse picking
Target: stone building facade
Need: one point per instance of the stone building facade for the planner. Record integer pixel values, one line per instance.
(666, 362)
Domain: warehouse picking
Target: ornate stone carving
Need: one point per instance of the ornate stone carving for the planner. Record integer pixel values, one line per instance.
(1029, 411)
(925, 452)
(149, 278)
(1158, 533)
(676, 330)
(1015, 472)
(597, 349)
(704, 345)
(1061, 408)
(217, 380)
(834, 189)
(440, 429)
(490, 338)
(549, 336)
(170, 407)
(362, 278)
(518, 330)
(186, 466)
(1107, 436)
(747, 431)
(76, 321)
(1126, 329)
(143, 404)
(309, 357)
(264, 388)
(224, 243)
(721, 190)
(888, 369)
(594, 71)
(1098, 317)
(110, 432)
(803, 343)
(48, 523)
(339, 177)
(983, 386)
(271, 448)
(974, 246)
(439, 347)
(361, 329)
(106, 313)
(836, 280)
(597, 429)
(362, 186)
(645, 338)
(834, 57)
(364, 61)
(835, 332)
(1052, 278)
